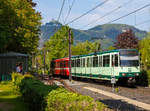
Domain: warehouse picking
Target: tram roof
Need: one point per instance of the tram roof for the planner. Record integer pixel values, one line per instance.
(61, 59)
(103, 52)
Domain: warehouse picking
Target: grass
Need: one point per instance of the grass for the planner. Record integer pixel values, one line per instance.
(10, 98)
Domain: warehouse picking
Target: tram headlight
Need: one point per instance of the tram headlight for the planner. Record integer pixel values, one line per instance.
(137, 74)
(123, 74)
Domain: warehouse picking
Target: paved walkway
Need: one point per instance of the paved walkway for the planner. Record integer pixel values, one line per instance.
(115, 96)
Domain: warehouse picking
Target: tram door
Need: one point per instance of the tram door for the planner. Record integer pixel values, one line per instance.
(114, 64)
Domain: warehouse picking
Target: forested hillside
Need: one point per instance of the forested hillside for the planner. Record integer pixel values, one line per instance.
(106, 33)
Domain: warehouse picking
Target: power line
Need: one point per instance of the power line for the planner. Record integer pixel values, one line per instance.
(61, 10)
(87, 12)
(70, 7)
(129, 13)
(119, 7)
(101, 17)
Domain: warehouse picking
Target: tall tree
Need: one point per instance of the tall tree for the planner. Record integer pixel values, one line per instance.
(19, 26)
(144, 48)
(58, 43)
(86, 47)
(126, 40)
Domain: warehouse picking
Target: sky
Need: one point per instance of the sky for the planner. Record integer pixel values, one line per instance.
(50, 9)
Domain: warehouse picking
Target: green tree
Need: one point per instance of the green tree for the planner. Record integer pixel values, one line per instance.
(111, 48)
(19, 26)
(144, 48)
(86, 47)
(57, 45)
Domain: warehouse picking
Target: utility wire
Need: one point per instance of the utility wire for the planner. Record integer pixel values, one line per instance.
(70, 7)
(61, 10)
(129, 13)
(119, 7)
(101, 17)
(87, 12)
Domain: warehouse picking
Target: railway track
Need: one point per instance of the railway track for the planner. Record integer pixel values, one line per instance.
(139, 94)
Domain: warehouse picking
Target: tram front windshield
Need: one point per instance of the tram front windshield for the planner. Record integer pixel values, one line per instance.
(129, 58)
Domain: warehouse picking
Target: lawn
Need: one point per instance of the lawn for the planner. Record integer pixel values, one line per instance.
(10, 99)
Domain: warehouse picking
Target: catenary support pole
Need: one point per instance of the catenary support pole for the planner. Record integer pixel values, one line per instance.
(70, 74)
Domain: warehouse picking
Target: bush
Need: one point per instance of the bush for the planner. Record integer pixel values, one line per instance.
(142, 79)
(63, 100)
(148, 77)
(34, 92)
(17, 78)
(42, 97)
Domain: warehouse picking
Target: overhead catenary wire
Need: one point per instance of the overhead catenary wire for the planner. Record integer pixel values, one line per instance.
(119, 7)
(61, 10)
(87, 12)
(128, 14)
(70, 8)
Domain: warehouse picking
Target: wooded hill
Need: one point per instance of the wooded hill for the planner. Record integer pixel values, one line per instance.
(106, 33)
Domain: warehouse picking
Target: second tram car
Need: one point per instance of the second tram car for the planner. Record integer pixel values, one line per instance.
(60, 67)
(122, 64)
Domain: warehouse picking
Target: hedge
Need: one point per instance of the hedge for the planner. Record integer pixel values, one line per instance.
(42, 97)
(63, 100)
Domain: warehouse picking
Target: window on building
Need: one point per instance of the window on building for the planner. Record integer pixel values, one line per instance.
(106, 61)
(95, 61)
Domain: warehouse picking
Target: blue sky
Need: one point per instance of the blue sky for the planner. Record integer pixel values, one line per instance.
(50, 10)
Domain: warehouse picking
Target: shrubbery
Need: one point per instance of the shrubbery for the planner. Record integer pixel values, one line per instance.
(34, 93)
(42, 97)
(144, 78)
(148, 77)
(63, 100)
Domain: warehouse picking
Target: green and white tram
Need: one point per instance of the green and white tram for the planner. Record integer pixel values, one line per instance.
(123, 64)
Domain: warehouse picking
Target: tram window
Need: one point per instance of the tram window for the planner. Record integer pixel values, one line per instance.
(57, 65)
(67, 65)
(106, 61)
(75, 63)
(72, 63)
(88, 62)
(78, 62)
(100, 61)
(115, 60)
(61, 64)
(83, 62)
(95, 61)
